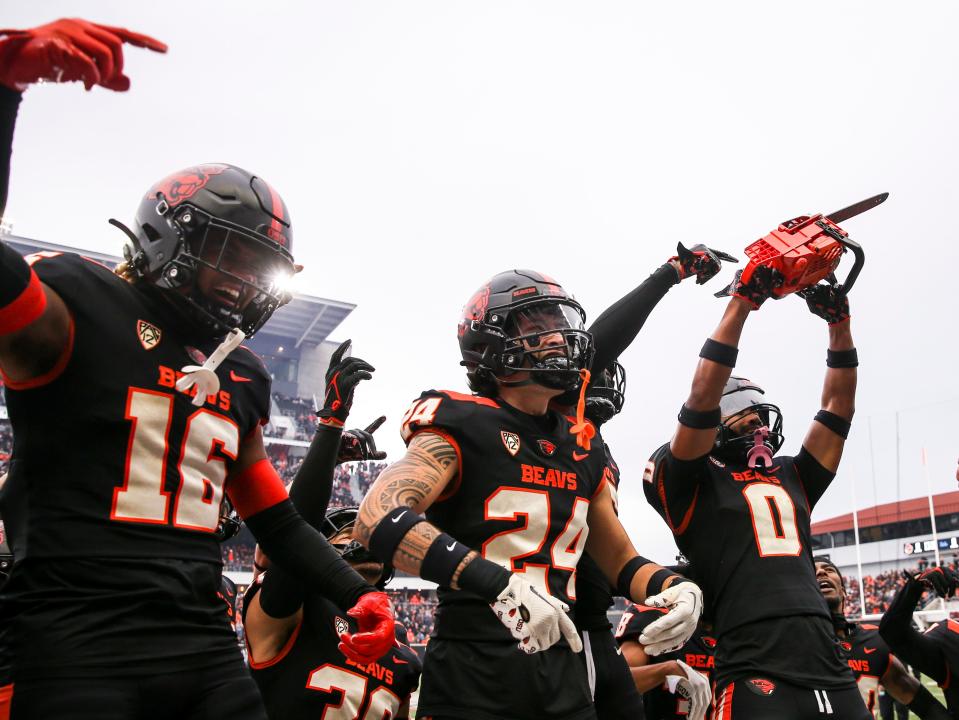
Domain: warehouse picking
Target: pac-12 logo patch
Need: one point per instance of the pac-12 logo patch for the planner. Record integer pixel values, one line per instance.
(546, 447)
(511, 441)
(340, 625)
(149, 334)
(761, 686)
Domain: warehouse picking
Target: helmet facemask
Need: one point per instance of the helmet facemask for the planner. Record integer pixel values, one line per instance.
(545, 338)
(341, 519)
(606, 394)
(228, 277)
(747, 422)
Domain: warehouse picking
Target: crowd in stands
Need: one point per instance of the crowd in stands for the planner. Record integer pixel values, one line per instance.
(415, 609)
(879, 590)
(302, 413)
(6, 445)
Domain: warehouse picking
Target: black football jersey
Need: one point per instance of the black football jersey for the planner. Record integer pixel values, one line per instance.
(746, 534)
(311, 679)
(868, 657)
(594, 595)
(698, 653)
(946, 633)
(116, 481)
(520, 499)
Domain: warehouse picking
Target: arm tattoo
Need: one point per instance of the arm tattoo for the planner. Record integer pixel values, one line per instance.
(410, 481)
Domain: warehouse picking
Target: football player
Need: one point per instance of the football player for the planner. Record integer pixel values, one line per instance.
(675, 685)
(936, 651)
(869, 657)
(131, 419)
(611, 686)
(741, 516)
(511, 489)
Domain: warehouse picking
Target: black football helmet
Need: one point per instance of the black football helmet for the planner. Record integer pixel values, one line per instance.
(223, 218)
(742, 398)
(230, 521)
(606, 394)
(504, 323)
(339, 519)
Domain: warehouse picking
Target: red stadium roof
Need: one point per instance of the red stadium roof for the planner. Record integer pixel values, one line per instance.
(944, 504)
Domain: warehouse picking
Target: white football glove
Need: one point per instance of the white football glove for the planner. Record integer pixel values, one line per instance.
(694, 688)
(535, 619)
(672, 630)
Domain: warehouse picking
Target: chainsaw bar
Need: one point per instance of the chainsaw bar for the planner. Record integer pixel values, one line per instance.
(857, 208)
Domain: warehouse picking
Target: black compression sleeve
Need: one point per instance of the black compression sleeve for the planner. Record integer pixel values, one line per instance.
(290, 542)
(9, 104)
(907, 643)
(620, 323)
(283, 593)
(926, 707)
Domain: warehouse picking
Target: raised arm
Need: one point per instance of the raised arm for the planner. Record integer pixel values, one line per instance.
(911, 646)
(906, 689)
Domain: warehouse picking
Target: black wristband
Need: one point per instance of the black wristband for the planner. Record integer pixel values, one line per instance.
(390, 532)
(719, 352)
(657, 582)
(700, 419)
(625, 577)
(484, 578)
(838, 425)
(842, 358)
(441, 560)
(922, 701)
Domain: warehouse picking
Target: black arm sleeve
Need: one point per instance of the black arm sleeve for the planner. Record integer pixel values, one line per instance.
(292, 543)
(620, 323)
(282, 593)
(9, 104)
(814, 477)
(907, 643)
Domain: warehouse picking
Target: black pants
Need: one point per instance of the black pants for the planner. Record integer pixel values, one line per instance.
(761, 698)
(222, 694)
(615, 696)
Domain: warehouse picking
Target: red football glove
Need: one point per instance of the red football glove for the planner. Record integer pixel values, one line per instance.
(68, 50)
(758, 289)
(376, 634)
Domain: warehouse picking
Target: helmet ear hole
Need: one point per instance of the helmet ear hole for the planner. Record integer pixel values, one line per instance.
(151, 232)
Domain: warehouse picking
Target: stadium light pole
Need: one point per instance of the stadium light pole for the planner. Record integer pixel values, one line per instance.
(932, 510)
(855, 530)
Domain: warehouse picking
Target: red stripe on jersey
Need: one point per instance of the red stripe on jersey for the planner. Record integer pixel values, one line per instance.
(25, 309)
(256, 488)
(687, 518)
(6, 700)
(50, 375)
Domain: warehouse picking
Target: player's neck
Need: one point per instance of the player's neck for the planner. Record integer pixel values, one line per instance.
(530, 399)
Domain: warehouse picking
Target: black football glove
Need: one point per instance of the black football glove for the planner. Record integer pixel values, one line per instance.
(359, 444)
(342, 377)
(941, 580)
(699, 260)
(759, 288)
(827, 303)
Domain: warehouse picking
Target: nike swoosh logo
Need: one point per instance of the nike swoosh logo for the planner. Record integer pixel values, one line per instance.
(397, 661)
(397, 518)
(238, 378)
(869, 650)
(577, 456)
(451, 546)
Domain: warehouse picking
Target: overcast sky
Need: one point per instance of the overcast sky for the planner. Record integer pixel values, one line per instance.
(423, 146)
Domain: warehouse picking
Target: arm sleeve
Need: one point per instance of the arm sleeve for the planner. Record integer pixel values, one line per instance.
(814, 477)
(620, 323)
(672, 487)
(9, 104)
(282, 593)
(292, 543)
(908, 644)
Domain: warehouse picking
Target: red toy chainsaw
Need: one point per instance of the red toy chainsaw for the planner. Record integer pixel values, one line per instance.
(808, 248)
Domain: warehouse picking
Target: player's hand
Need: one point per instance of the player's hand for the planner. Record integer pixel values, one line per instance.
(824, 301)
(759, 288)
(941, 580)
(694, 688)
(359, 444)
(342, 377)
(68, 50)
(699, 261)
(535, 619)
(685, 603)
(376, 634)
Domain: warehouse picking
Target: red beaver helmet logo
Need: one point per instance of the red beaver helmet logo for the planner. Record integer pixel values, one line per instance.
(185, 184)
(476, 308)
